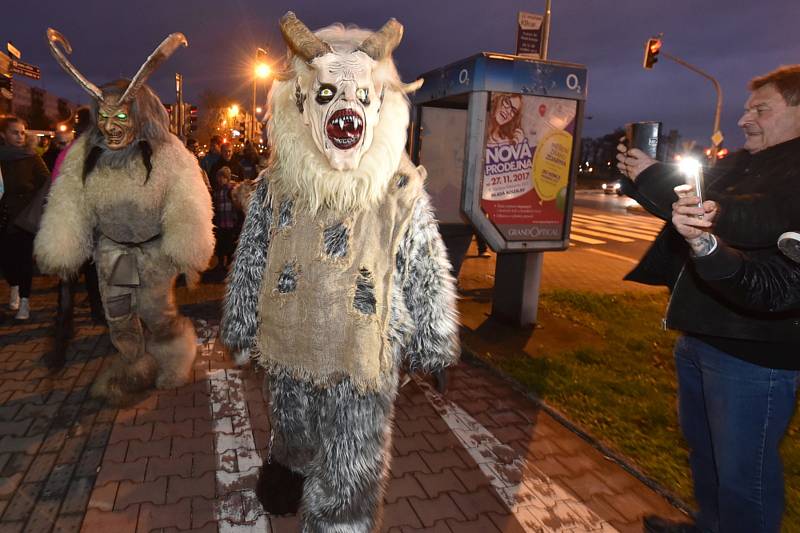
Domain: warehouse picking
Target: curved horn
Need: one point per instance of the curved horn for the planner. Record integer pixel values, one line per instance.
(300, 39)
(159, 55)
(383, 42)
(54, 38)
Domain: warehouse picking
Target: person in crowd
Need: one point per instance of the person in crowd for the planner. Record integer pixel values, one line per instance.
(226, 218)
(60, 142)
(211, 158)
(42, 144)
(191, 145)
(737, 368)
(229, 160)
(249, 161)
(56, 358)
(24, 173)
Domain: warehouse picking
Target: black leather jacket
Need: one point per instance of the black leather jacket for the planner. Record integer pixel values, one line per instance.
(759, 198)
(771, 283)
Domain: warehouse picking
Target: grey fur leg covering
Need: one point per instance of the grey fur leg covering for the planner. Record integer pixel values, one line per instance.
(294, 444)
(131, 370)
(174, 346)
(343, 492)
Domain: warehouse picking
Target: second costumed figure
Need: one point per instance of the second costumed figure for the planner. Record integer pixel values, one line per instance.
(340, 277)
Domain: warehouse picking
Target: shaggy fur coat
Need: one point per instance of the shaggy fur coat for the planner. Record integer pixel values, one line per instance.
(337, 436)
(334, 433)
(164, 221)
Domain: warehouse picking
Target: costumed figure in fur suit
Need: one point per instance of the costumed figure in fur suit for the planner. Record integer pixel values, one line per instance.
(130, 195)
(340, 278)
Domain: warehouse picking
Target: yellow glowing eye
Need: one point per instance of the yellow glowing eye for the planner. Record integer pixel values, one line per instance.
(122, 116)
(361, 94)
(325, 93)
(103, 115)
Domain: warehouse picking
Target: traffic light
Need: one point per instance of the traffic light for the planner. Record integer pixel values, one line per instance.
(192, 118)
(8, 85)
(651, 50)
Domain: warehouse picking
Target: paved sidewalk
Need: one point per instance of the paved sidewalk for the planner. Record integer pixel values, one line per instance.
(483, 458)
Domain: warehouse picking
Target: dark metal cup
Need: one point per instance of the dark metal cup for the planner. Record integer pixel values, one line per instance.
(644, 136)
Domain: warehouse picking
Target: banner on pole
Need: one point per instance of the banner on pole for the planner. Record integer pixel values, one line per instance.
(529, 34)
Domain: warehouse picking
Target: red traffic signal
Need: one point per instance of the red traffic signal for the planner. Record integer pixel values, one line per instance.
(651, 50)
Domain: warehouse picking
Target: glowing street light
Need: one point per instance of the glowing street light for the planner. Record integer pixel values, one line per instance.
(262, 70)
(233, 112)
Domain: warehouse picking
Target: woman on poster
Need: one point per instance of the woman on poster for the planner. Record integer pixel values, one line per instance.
(505, 119)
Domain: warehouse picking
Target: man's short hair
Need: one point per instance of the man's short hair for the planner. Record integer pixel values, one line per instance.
(786, 80)
(216, 139)
(7, 120)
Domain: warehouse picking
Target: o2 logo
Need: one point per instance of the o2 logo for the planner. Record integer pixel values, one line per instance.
(573, 83)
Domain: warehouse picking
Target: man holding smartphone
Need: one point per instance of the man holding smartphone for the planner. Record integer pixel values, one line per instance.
(738, 368)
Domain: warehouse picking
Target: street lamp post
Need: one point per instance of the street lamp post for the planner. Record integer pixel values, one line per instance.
(716, 135)
(261, 70)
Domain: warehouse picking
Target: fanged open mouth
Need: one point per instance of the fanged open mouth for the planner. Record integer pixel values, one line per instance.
(344, 128)
(114, 138)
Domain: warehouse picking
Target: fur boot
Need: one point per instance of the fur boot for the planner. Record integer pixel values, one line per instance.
(132, 370)
(339, 439)
(279, 489)
(174, 346)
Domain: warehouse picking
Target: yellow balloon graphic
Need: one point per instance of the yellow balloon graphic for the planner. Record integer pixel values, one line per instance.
(550, 169)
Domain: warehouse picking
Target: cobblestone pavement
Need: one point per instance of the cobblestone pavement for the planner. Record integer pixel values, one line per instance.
(481, 458)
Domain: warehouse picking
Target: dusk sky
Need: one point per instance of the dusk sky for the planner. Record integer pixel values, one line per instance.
(732, 40)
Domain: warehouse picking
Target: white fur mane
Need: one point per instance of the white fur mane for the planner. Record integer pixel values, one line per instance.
(301, 171)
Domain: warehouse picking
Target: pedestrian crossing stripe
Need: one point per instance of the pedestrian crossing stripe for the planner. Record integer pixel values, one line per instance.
(584, 240)
(605, 234)
(599, 229)
(641, 235)
(653, 225)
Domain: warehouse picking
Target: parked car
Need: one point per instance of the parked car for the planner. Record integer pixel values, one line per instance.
(612, 187)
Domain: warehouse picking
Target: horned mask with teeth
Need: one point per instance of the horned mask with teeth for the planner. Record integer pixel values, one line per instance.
(341, 103)
(114, 117)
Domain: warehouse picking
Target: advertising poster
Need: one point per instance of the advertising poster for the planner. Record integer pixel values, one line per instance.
(528, 152)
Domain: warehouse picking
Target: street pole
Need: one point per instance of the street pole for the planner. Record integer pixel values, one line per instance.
(716, 136)
(253, 114)
(179, 111)
(546, 33)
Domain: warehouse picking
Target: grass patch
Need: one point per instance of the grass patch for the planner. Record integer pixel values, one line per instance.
(619, 384)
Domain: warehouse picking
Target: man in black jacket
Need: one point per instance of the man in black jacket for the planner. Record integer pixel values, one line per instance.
(737, 367)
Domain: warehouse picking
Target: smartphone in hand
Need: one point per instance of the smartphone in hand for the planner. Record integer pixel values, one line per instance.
(693, 172)
(789, 244)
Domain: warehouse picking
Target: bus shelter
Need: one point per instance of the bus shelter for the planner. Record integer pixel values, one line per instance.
(500, 138)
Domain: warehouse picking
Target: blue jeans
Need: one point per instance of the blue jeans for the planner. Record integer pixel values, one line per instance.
(733, 415)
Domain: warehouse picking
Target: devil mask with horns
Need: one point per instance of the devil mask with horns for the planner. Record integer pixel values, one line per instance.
(341, 100)
(124, 111)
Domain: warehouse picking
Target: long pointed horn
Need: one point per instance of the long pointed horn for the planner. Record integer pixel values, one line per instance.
(300, 39)
(161, 54)
(383, 42)
(54, 39)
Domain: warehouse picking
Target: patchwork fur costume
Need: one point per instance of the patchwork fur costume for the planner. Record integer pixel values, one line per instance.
(340, 280)
(162, 225)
